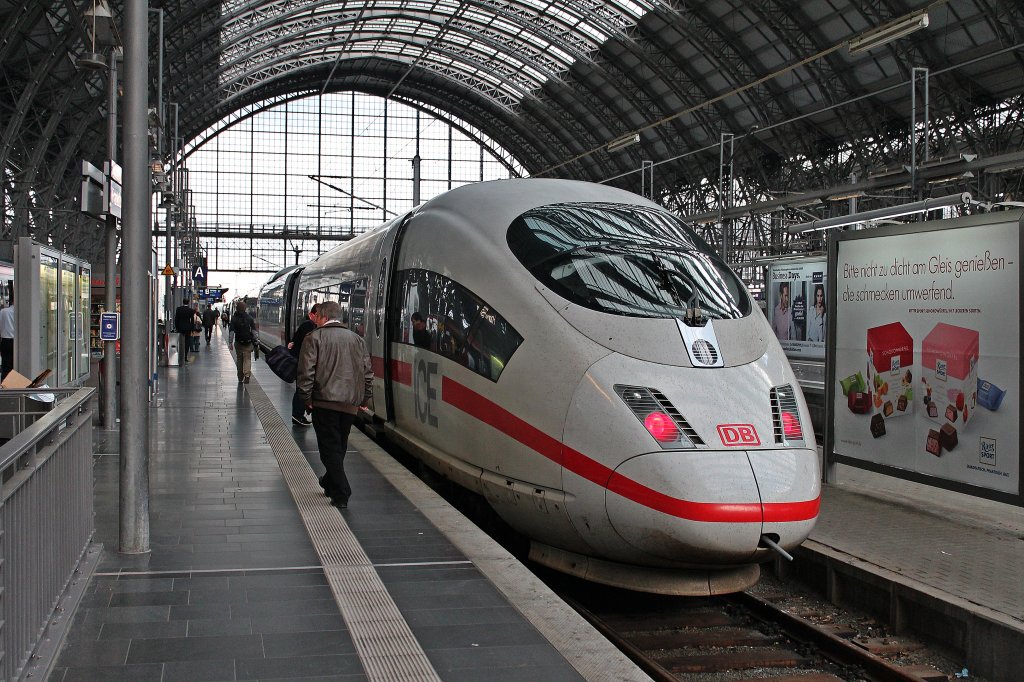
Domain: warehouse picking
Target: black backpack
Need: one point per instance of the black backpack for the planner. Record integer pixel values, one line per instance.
(243, 326)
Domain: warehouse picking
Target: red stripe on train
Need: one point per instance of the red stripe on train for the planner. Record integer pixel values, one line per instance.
(479, 407)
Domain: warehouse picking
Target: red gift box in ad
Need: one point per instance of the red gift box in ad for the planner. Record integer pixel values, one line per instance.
(949, 363)
(890, 370)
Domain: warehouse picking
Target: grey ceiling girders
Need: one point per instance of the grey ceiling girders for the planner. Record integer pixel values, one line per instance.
(552, 82)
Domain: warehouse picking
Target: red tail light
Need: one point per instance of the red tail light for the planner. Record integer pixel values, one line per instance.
(791, 426)
(661, 426)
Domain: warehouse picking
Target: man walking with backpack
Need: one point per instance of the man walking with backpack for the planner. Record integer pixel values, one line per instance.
(183, 324)
(244, 328)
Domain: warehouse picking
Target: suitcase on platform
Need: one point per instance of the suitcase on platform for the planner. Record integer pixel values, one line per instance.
(282, 363)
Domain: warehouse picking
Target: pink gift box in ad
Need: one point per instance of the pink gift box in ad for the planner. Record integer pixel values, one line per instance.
(949, 362)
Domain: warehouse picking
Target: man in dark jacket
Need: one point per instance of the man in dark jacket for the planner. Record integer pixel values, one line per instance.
(209, 320)
(244, 328)
(295, 346)
(334, 379)
(183, 324)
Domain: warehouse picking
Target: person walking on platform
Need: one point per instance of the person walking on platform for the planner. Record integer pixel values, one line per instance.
(295, 346)
(244, 329)
(183, 325)
(197, 328)
(335, 379)
(7, 339)
(209, 322)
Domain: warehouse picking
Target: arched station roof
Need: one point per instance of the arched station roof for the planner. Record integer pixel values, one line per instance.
(552, 81)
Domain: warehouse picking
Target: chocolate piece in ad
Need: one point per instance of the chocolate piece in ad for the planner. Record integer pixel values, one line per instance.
(932, 443)
(887, 408)
(859, 402)
(854, 382)
(990, 396)
(950, 413)
(877, 426)
(901, 404)
(947, 437)
(933, 411)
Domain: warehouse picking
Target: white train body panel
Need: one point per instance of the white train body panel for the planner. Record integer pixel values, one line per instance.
(545, 432)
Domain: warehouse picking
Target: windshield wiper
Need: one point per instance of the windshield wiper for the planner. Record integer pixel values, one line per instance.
(665, 281)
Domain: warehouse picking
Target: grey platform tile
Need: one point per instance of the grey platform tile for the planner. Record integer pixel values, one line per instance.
(93, 653)
(196, 649)
(288, 644)
(285, 608)
(143, 630)
(125, 673)
(214, 596)
(457, 617)
(495, 658)
(278, 579)
(300, 623)
(198, 581)
(126, 614)
(123, 584)
(412, 574)
(213, 627)
(198, 671)
(168, 598)
(473, 636)
(293, 593)
(320, 678)
(198, 612)
(298, 667)
(81, 630)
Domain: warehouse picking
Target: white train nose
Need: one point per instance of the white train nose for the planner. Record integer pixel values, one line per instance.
(698, 506)
(713, 506)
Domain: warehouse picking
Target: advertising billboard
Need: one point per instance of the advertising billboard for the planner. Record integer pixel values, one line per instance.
(797, 304)
(925, 379)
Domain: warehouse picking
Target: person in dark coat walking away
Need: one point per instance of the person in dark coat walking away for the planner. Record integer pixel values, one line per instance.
(183, 324)
(335, 379)
(209, 321)
(244, 329)
(295, 346)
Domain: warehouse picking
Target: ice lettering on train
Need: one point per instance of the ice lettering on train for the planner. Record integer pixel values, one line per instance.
(426, 395)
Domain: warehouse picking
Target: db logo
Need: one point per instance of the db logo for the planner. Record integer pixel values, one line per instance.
(738, 434)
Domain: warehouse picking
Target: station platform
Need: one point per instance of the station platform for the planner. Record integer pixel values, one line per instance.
(253, 575)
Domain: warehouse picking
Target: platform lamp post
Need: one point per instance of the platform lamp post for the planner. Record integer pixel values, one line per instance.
(99, 25)
(135, 264)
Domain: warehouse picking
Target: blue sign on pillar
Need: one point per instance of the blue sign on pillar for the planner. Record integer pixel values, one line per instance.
(199, 275)
(110, 326)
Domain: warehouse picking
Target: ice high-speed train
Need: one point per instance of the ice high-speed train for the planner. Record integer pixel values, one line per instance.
(584, 361)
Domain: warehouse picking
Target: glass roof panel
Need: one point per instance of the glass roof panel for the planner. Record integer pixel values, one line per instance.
(504, 48)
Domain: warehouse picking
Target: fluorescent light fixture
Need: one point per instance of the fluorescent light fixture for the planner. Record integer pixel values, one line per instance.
(847, 195)
(879, 213)
(623, 142)
(887, 33)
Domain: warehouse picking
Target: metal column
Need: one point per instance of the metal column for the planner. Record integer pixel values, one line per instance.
(108, 409)
(135, 257)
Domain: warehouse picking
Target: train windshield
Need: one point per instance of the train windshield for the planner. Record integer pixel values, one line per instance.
(626, 260)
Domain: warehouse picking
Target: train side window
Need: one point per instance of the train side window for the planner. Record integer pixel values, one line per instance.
(379, 319)
(438, 314)
(357, 307)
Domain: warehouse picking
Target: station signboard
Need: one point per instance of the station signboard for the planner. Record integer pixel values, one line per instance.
(797, 306)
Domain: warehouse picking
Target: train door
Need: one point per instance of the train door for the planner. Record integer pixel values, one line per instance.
(378, 336)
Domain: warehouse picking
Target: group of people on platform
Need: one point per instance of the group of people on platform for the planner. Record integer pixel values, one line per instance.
(191, 325)
(334, 378)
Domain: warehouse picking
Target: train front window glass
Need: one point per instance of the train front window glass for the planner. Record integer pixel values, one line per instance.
(626, 260)
(440, 315)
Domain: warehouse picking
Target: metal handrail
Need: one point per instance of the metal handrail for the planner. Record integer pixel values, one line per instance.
(40, 428)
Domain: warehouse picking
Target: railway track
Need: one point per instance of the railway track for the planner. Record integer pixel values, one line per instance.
(735, 637)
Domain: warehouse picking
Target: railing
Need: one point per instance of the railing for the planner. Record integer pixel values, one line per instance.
(46, 512)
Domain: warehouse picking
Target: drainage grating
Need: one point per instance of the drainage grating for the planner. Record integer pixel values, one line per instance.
(385, 644)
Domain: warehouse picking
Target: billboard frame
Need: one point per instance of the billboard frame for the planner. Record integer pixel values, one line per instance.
(831, 458)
